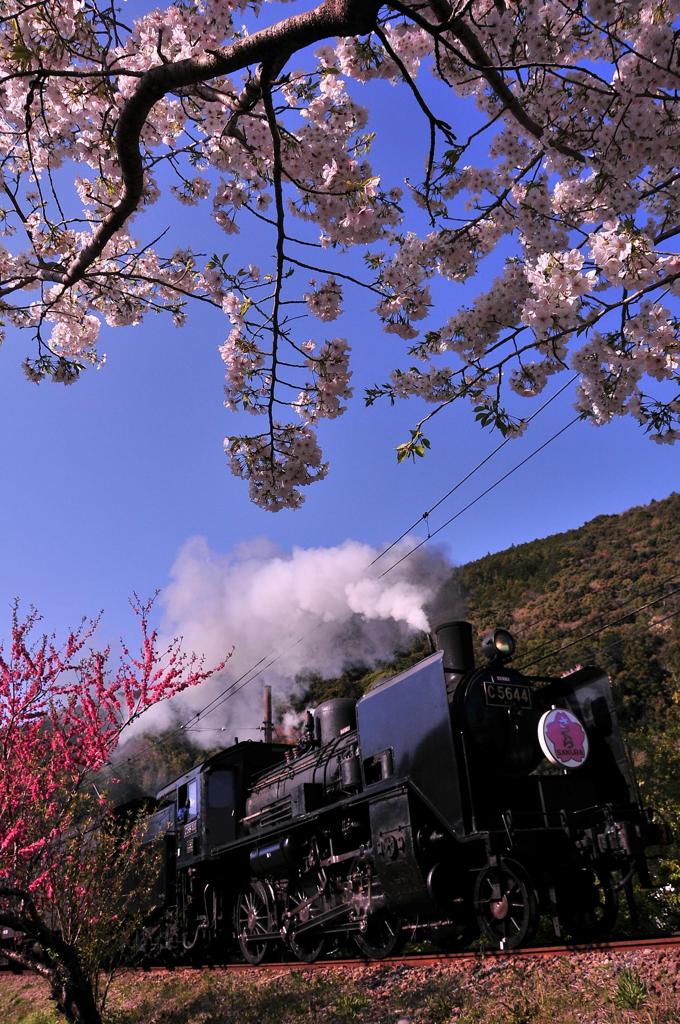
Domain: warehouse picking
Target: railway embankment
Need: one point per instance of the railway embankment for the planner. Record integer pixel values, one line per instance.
(624, 986)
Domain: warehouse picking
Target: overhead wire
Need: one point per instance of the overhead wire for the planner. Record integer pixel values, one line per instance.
(483, 494)
(440, 501)
(674, 578)
(600, 629)
(636, 632)
(254, 671)
(524, 628)
(212, 705)
(235, 682)
(233, 688)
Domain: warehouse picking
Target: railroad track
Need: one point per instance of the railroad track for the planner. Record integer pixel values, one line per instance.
(434, 959)
(425, 959)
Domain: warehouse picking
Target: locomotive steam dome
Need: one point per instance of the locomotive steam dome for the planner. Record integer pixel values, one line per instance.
(333, 718)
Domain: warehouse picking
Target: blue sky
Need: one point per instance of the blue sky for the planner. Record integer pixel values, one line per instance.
(105, 480)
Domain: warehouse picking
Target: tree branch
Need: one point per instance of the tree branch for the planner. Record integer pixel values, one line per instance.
(330, 18)
(453, 23)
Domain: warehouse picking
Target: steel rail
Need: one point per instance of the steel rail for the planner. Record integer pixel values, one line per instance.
(414, 959)
(431, 959)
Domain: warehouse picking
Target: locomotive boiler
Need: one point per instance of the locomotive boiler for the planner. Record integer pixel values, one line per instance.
(451, 799)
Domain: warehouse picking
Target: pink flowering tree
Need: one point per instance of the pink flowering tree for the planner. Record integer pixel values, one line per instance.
(549, 143)
(65, 862)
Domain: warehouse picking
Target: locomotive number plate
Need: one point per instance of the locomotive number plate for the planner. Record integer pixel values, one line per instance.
(507, 695)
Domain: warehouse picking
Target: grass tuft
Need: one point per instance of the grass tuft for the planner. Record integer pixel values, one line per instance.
(631, 991)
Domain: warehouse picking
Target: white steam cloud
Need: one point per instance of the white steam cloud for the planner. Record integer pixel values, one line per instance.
(260, 601)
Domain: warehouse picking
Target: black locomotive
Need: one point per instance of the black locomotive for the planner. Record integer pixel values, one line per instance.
(450, 799)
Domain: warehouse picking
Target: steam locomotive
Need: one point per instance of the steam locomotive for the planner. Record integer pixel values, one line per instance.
(450, 799)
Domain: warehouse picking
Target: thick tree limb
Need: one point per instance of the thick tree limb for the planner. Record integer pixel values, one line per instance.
(330, 18)
(451, 22)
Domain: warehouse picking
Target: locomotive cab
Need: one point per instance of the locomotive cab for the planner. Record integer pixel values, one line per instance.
(209, 799)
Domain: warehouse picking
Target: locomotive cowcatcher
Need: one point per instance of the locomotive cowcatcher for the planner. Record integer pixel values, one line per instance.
(451, 799)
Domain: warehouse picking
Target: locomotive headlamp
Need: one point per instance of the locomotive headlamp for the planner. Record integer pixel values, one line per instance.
(499, 645)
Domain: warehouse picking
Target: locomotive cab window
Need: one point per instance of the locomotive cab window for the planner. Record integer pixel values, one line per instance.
(221, 790)
(219, 809)
(378, 767)
(187, 801)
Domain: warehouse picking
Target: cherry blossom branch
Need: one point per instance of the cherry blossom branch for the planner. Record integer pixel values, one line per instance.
(435, 124)
(332, 17)
(482, 63)
(337, 273)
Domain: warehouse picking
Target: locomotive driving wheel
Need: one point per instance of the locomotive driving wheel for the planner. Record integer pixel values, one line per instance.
(304, 904)
(505, 904)
(383, 936)
(253, 919)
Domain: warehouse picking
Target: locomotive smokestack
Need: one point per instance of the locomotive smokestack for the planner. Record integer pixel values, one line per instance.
(454, 639)
(267, 725)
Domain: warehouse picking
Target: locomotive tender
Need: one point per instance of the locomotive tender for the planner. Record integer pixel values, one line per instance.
(450, 798)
